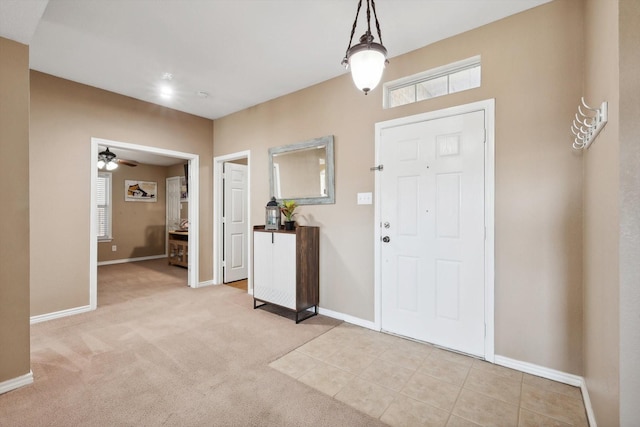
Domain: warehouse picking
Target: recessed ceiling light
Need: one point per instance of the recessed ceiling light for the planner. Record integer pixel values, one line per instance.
(167, 76)
(166, 91)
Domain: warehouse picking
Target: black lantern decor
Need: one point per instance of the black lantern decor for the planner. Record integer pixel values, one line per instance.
(272, 215)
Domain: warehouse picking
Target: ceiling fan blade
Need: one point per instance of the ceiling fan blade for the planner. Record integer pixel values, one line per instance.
(131, 163)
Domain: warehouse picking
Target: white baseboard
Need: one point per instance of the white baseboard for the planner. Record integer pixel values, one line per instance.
(122, 261)
(17, 382)
(347, 318)
(206, 283)
(591, 416)
(58, 314)
(552, 374)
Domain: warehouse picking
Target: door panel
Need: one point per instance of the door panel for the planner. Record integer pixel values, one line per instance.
(235, 224)
(173, 203)
(432, 195)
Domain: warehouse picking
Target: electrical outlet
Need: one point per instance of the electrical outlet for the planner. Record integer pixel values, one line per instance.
(114, 248)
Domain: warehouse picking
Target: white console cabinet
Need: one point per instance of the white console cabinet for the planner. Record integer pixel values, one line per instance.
(285, 269)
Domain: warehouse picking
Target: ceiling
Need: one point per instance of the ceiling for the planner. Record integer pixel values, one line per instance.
(239, 52)
(142, 157)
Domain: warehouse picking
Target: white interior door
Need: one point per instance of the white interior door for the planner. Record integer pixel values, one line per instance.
(235, 222)
(173, 203)
(432, 214)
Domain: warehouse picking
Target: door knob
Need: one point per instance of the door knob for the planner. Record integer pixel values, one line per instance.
(386, 239)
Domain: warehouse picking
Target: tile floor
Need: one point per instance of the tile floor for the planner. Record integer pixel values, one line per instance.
(404, 383)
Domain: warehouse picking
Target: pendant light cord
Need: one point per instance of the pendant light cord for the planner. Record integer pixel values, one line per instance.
(371, 4)
(375, 16)
(353, 30)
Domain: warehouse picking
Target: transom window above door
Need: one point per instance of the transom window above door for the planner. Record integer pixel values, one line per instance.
(451, 78)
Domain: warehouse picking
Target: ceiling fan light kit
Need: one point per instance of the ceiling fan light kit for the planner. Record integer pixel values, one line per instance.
(107, 160)
(366, 59)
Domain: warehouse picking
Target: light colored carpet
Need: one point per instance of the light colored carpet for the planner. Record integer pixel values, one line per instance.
(159, 353)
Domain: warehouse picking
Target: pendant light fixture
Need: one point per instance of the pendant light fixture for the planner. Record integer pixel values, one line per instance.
(366, 59)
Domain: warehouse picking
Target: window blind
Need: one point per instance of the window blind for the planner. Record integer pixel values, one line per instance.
(103, 196)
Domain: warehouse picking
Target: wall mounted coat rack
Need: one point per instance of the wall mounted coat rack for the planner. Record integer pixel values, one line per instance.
(587, 124)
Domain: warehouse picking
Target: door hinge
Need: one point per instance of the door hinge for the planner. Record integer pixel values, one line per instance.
(224, 220)
(224, 263)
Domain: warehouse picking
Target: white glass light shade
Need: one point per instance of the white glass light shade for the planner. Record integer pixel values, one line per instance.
(112, 165)
(367, 64)
(101, 164)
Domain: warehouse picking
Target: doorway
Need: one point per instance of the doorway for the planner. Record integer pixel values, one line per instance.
(232, 229)
(194, 185)
(434, 218)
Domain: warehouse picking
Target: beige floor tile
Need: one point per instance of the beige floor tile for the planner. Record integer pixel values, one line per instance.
(387, 374)
(408, 354)
(326, 378)
(365, 369)
(294, 364)
(445, 370)
(485, 410)
(531, 419)
(369, 348)
(357, 337)
(554, 386)
(350, 360)
(511, 374)
(407, 412)
(322, 347)
(366, 397)
(348, 331)
(452, 356)
(455, 421)
(500, 388)
(432, 391)
(554, 405)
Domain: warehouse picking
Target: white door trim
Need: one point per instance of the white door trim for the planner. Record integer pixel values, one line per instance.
(218, 248)
(194, 203)
(488, 106)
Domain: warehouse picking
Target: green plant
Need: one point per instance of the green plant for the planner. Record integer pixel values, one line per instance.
(287, 208)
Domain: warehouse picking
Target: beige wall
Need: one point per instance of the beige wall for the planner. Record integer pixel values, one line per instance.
(532, 66)
(14, 209)
(612, 214)
(64, 117)
(138, 228)
(629, 30)
(601, 217)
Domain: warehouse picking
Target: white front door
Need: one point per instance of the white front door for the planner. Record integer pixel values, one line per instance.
(235, 222)
(432, 222)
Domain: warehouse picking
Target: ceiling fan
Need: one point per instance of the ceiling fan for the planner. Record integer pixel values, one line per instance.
(108, 159)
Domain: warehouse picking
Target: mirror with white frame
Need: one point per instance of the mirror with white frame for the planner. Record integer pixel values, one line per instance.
(303, 172)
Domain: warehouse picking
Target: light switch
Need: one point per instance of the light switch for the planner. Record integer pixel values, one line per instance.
(365, 198)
